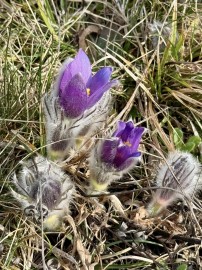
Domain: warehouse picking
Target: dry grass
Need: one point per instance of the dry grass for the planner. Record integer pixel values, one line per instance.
(161, 90)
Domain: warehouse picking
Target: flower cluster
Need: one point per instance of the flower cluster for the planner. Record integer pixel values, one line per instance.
(75, 110)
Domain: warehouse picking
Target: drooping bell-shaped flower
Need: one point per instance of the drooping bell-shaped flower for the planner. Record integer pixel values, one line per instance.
(44, 192)
(177, 178)
(114, 156)
(78, 89)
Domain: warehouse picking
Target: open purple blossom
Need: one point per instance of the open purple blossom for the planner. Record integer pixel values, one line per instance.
(78, 89)
(77, 106)
(113, 157)
(121, 151)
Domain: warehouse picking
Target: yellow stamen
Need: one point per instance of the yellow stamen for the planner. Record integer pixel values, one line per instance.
(88, 91)
(128, 143)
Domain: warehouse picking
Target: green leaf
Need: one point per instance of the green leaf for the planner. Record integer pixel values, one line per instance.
(46, 19)
(194, 139)
(178, 138)
(177, 46)
(182, 267)
(188, 147)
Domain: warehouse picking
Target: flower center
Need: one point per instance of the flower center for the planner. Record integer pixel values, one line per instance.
(88, 91)
(127, 143)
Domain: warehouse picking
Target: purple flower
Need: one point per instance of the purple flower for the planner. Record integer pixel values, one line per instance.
(111, 158)
(121, 151)
(79, 90)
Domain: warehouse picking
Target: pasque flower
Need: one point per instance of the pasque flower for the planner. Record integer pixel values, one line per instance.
(114, 156)
(78, 89)
(121, 151)
(44, 192)
(77, 105)
(177, 178)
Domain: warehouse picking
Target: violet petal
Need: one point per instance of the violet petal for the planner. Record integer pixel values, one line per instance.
(119, 130)
(65, 79)
(125, 134)
(122, 154)
(108, 150)
(135, 138)
(99, 80)
(62, 78)
(96, 96)
(81, 64)
(128, 163)
(74, 98)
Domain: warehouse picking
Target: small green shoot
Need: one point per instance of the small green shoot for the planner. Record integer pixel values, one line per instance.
(189, 146)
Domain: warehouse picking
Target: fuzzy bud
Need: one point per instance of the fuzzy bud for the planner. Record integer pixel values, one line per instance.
(178, 177)
(160, 35)
(44, 191)
(58, 129)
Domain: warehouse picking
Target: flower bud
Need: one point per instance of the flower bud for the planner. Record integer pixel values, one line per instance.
(44, 191)
(160, 35)
(58, 132)
(177, 178)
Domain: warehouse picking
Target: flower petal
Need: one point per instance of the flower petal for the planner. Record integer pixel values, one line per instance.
(119, 130)
(64, 76)
(100, 79)
(108, 150)
(96, 96)
(81, 64)
(135, 138)
(129, 163)
(56, 86)
(122, 155)
(74, 98)
(127, 132)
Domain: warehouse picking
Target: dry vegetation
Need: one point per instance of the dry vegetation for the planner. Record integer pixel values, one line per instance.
(161, 90)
